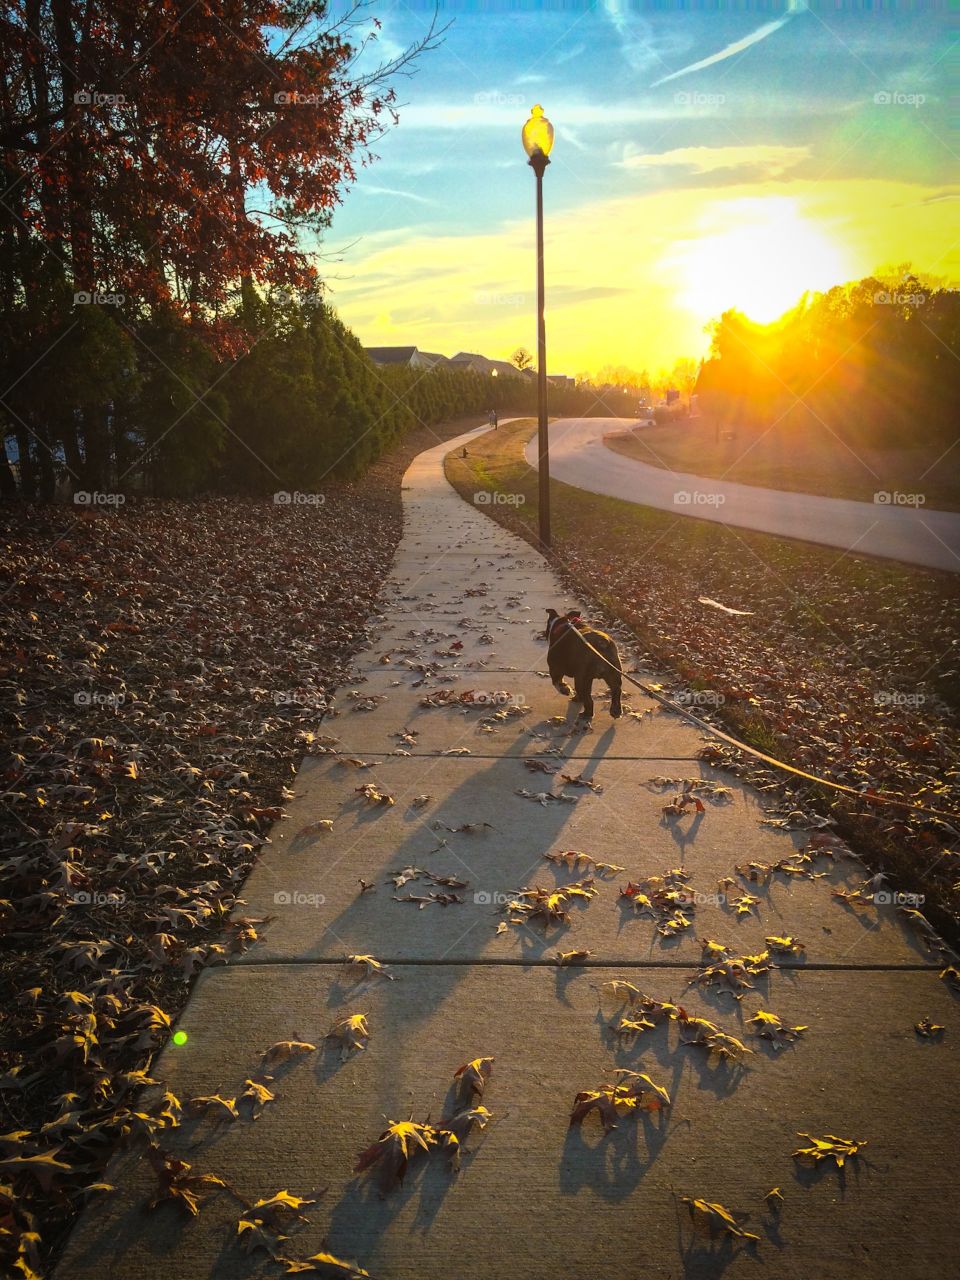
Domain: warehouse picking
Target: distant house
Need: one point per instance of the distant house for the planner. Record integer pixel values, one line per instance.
(432, 359)
(482, 364)
(504, 369)
(407, 357)
(472, 361)
(463, 361)
(561, 380)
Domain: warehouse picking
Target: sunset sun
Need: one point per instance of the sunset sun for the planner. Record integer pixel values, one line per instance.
(759, 256)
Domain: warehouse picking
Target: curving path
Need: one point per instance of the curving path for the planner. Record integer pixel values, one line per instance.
(578, 456)
(536, 1199)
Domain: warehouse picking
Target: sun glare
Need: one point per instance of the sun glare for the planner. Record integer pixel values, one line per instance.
(759, 256)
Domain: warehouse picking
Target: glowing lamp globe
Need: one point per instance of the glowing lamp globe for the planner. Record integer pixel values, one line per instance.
(537, 134)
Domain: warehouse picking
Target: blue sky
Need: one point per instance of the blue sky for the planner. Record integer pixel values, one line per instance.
(682, 137)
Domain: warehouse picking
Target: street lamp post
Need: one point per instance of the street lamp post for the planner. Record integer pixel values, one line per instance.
(538, 142)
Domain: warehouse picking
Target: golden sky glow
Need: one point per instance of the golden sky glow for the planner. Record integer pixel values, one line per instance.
(635, 280)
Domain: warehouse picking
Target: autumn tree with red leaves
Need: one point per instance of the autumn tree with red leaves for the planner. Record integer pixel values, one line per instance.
(167, 161)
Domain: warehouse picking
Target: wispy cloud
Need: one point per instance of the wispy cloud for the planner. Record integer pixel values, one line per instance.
(738, 46)
(574, 139)
(486, 114)
(638, 45)
(771, 159)
(367, 190)
(569, 54)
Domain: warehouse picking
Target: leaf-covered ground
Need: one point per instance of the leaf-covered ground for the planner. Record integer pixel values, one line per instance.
(844, 666)
(163, 670)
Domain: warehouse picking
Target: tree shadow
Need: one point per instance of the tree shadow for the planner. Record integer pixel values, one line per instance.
(707, 1259)
(682, 838)
(610, 1163)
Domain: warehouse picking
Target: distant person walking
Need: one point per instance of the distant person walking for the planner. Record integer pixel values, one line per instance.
(492, 419)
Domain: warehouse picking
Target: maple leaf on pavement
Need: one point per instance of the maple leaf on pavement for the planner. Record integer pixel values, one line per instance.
(178, 1182)
(785, 946)
(472, 1077)
(713, 1219)
(769, 1027)
(830, 1147)
(361, 967)
(325, 1264)
(393, 1150)
(285, 1049)
(454, 1132)
(219, 1108)
(632, 1091)
(927, 1029)
(352, 1033)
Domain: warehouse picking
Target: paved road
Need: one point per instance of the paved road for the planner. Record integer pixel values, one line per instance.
(536, 1199)
(579, 457)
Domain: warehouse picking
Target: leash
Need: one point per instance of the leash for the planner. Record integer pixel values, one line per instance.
(873, 797)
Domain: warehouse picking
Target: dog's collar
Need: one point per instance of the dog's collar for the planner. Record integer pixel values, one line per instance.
(567, 622)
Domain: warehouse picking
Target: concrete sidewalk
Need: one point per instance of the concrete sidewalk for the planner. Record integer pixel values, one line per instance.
(534, 1198)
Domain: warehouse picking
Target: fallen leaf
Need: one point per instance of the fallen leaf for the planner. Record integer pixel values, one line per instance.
(285, 1049)
(351, 1032)
(714, 1219)
(829, 1147)
(472, 1076)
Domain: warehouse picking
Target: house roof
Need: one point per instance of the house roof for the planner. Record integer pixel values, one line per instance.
(405, 355)
(391, 355)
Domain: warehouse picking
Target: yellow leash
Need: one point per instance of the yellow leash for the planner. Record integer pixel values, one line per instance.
(872, 796)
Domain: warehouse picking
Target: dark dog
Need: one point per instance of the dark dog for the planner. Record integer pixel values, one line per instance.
(568, 654)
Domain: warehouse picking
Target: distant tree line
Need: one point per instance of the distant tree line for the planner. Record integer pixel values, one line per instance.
(874, 361)
(151, 408)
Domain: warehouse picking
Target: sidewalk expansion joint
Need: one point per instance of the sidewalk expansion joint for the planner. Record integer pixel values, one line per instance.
(520, 963)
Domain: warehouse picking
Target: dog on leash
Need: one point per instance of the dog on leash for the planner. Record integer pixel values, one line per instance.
(570, 652)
